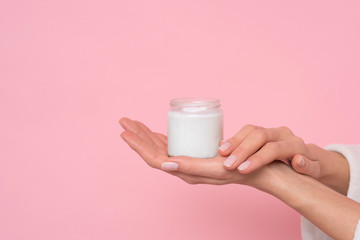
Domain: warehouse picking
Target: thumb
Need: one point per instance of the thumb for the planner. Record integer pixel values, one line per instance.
(303, 165)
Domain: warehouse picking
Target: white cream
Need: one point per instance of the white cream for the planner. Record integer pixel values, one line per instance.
(194, 128)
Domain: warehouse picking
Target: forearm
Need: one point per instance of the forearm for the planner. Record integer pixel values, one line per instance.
(329, 210)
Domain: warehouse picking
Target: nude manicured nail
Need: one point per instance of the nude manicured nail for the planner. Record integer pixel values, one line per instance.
(301, 162)
(169, 166)
(225, 146)
(244, 165)
(230, 160)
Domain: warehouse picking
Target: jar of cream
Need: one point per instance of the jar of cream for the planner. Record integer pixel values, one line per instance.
(195, 127)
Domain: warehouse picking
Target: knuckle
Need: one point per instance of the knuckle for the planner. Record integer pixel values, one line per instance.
(273, 146)
(249, 127)
(299, 140)
(285, 130)
(245, 129)
(312, 145)
(261, 134)
(311, 149)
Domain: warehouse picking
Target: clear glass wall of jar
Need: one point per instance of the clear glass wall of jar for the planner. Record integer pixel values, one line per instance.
(195, 127)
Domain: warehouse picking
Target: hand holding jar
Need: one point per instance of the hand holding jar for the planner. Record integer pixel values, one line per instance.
(152, 147)
(315, 201)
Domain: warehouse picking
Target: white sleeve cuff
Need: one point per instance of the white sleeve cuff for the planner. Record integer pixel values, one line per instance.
(357, 232)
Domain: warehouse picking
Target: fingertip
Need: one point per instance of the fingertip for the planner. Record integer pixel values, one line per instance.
(124, 135)
(229, 162)
(228, 167)
(244, 172)
(129, 137)
(223, 149)
(300, 165)
(123, 121)
(244, 168)
(301, 162)
(221, 153)
(129, 125)
(298, 161)
(170, 166)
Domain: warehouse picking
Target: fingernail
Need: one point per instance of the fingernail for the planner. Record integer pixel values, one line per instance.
(225, 146)
(230, 160)
(244, 165)
(169, 166)
(301, 162)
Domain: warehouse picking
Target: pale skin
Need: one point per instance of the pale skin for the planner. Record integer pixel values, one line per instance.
(253, 147)
(318, 193)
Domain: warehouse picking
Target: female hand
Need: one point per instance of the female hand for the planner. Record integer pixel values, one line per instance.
(253, 147)
(152, 147)
(318, 203)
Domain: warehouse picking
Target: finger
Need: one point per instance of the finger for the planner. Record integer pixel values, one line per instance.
(272, 151)
(146, 151)
(228, 146)
(154, 137)
(210, 167)
(162, 137)
(302, 164)
(132, 126)
(252, 143)
(199, 180)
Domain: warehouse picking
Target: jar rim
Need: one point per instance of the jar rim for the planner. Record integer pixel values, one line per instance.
(195, 102)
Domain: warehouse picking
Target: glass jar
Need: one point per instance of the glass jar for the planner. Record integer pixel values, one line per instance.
(195, 127)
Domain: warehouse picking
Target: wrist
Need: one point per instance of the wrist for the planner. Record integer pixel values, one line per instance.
(274, 178)
(288, 186)
(335, 171)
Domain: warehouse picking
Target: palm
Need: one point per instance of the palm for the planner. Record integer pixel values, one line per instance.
(152, 147)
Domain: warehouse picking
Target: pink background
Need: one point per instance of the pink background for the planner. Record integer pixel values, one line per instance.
(70, 69)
